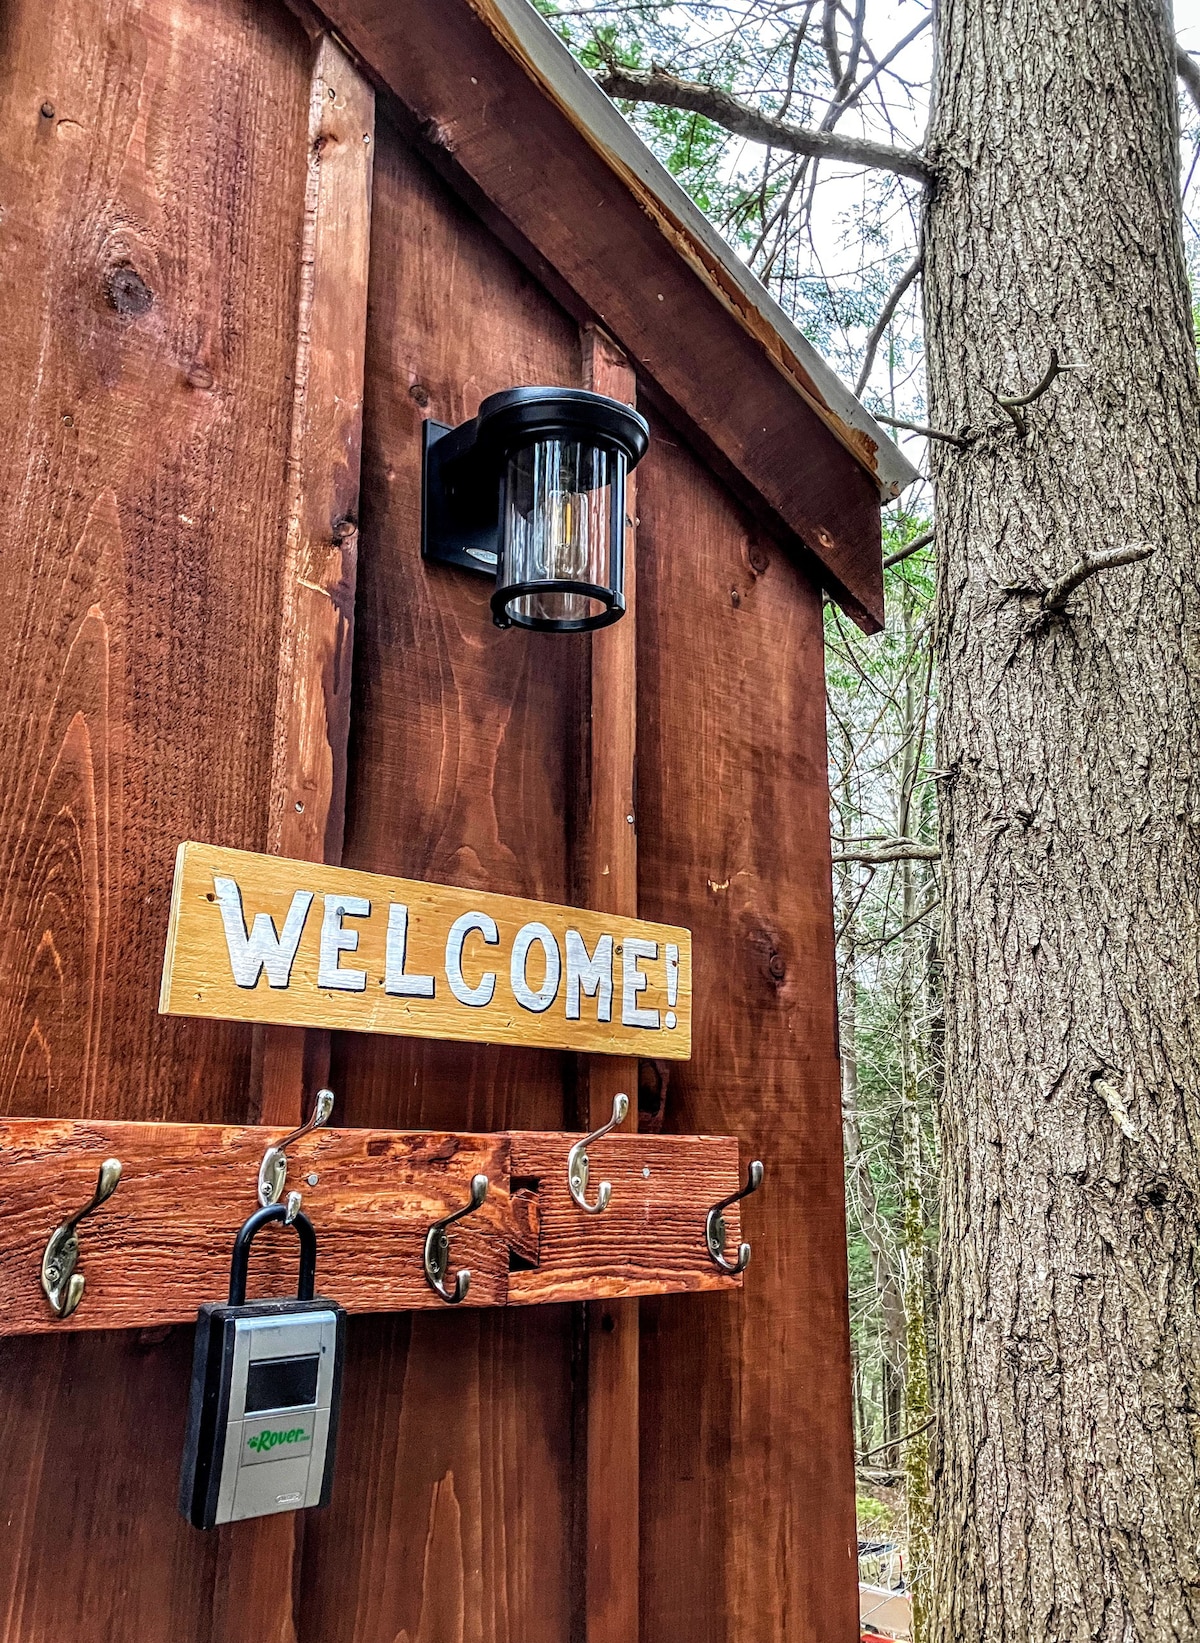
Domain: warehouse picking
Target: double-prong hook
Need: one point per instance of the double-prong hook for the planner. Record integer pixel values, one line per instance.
(577, 1161)
(437, 1248)
(714, 1226)
(62, 1284)
(272, 1172)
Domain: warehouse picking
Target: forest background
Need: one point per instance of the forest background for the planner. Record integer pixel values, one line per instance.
(837, 245)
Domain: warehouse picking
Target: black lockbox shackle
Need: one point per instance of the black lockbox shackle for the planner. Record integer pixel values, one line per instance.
(266, 1386)
(240, 1263)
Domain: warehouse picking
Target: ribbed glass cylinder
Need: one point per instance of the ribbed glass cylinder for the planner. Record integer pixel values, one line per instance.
(562, 524)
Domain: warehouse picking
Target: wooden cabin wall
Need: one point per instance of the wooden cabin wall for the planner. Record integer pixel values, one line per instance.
(152, 191)
(452, 1516)
(151, 194)
(747, 1494)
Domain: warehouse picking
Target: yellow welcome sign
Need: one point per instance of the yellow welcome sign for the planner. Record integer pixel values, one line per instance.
(260, 938)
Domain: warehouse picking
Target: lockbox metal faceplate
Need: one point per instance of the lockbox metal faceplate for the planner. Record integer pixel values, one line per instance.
(262, 1419)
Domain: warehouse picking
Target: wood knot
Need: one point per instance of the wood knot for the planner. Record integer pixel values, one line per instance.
(759, 558)
(47, 111)
(127, 291)
(439, 135)
(199, 376)
(420, 393)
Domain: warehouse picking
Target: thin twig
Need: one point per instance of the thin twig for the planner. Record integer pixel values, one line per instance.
(894, 1443)
(856, 92)
(1088, 565)
(886, 850)
(884, 320)
(963, 441)
(894, 935)
(909, 548)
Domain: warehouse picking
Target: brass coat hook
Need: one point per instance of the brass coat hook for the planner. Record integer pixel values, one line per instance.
(437, 1248)
(62, 1284)
(272, 1172)
(714, 1226)
(577, 1161)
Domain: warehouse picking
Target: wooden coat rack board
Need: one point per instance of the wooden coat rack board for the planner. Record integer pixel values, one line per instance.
(160, 1245)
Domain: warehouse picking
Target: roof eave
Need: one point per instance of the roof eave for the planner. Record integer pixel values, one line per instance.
(526, 34)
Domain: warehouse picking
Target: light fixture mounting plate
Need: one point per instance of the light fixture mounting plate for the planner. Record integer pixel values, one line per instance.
(466, 538)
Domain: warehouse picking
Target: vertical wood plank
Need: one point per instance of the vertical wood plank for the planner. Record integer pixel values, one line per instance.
(254, 1593)
(306, 819)
(748, 1531)
(607, 869)
(152, 175)
(451, 1510)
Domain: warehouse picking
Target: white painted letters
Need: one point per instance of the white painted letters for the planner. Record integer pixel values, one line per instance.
(335, 940)
(293, 943)
(591, 974)
(394, 979)
(522, 991)
(262, 949)
(634, 981)
(477, 997)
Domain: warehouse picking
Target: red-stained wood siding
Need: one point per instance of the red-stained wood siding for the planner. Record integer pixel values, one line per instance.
(152, 181)
(453, 1514)
(747, 1494)
(152, 185)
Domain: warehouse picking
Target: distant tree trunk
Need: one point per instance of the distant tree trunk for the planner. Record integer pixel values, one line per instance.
(912, 1231)
(858, 1173)
(1068, 1495)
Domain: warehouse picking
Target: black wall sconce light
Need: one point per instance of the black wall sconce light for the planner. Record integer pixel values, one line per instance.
(532, 491)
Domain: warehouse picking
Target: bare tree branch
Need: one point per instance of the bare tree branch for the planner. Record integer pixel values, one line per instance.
(893, 935)
(894, 1443)
(884, 320)
(1011, 404)
(963, 441)
(909, 548)
(856, 92)
(885, 850)
(743, 120)
(1088, 565)
(829, 40)
(1189, 72)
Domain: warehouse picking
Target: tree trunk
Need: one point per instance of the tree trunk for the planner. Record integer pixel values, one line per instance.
(863, 1206)
(912, 1239)
(1068, 1493)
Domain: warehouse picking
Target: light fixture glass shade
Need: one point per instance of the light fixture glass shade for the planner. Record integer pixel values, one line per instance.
(534, 485)
(562, 535)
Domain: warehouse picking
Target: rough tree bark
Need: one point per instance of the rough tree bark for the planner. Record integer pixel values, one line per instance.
(1068, 1492)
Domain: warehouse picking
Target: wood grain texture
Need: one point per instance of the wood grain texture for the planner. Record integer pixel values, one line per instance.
(303, 980)
(477, 106)
(748, 1532)
(650, 1239)
(312, 714)
(152, 173)
(452, 1512)
(142, 468)
(161, 1244)
(607, 868)
(307, 803)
